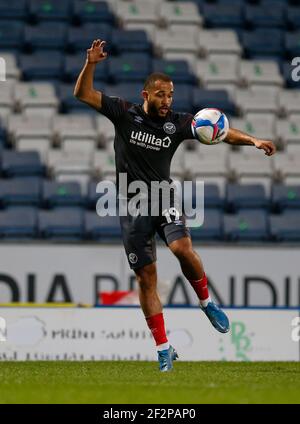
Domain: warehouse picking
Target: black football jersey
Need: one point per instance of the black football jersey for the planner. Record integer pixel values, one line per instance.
(144, 146)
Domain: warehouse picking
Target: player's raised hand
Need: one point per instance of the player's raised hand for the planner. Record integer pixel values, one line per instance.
(96, 54)
(267, 146)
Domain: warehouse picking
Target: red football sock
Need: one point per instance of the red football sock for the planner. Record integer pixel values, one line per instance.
(157, 326)
(200, 287)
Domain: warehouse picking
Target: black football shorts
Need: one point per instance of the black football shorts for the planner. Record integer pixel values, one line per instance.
(139, 233)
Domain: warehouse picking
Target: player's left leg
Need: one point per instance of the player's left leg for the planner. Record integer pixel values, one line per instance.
(140, 247)
(193, 270)
(152, 308)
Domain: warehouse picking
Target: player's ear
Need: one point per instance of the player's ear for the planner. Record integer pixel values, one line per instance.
(145, 95)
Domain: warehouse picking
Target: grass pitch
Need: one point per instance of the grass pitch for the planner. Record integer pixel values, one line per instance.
(141, 382)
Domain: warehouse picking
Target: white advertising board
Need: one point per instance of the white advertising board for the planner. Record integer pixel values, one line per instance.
(121, 334)
(238, 276)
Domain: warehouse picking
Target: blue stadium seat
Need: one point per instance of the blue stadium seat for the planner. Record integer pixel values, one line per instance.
(130, 41)
(18, 164)
(229, 2)
(183, 98)
(91, 11)
(263, 42)
(129, 67)
(42, 65)
(212, 228)
(68, 102)
(56, 194)
(247, 225)
(293, 17)
(292, 44)
(267, 14)
(18, 223)
(286, 227)
(102, 228)
(212, 197)
(130, 91)
(2, 138)
(178, 70)
(80, 38)
(219, 99)
(61, 224)
(47, 35)
(199, 3)
(20, 191)
(74, 63)
(13, 9)
(221, 15)
(285, 197)
(11, 35)
(247, 196)
(92, 195)
(49, 10)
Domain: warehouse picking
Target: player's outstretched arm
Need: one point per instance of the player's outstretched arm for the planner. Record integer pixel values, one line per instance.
(84, 88)
(239, 138)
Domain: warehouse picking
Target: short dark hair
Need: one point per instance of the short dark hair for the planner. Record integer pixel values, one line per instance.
(156, 76)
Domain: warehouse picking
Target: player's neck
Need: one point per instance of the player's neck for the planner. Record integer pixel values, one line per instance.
(145, 108)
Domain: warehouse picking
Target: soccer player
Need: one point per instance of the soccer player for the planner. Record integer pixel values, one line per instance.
(135, 126)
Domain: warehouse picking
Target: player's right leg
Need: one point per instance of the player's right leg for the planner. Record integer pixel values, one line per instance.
(192, 268)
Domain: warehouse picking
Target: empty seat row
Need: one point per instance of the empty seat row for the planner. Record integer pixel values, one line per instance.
(49, 193)
(268, 42)
(263, 41)
(80, 152)
(216, 70)
(247, 225)
(35, 191)
(45, 99)
(233, 14)
(87, 132)
(127, 67)
(34, 98)
(82, 157)
(87, 11)
(51, 36)
(37, 10)
(74, 224)
(66, 224)
(229, 70)
(267, 13)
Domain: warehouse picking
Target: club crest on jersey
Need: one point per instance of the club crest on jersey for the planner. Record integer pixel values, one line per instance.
(132, 258)
(169, 128)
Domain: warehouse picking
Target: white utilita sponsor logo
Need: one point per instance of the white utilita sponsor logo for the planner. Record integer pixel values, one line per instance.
(296, 70)
(147, 140)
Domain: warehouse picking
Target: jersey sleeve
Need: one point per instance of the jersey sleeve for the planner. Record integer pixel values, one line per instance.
(186, 126)
(113, 107)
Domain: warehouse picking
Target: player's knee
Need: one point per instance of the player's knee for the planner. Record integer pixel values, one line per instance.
(146, 278)
(146, 285)
(183, 253)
